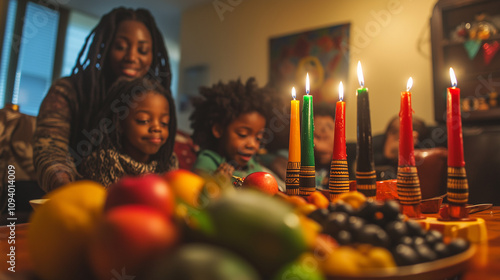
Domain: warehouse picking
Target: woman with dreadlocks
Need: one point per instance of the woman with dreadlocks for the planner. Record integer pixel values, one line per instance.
(125, 43)
(139, 136)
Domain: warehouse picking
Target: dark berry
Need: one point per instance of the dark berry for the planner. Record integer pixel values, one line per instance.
(335, 222)
(319, 215)
(414, 228)
(354, 225)
(405, 255)
(374, 235)
(433, 236)
(406, 240)
(441, 250)
(367, 210)
(457, 246)
(390, 209)
(425, 253)
(418, 241)
(396, 230)
(342, 207)
(343, 237)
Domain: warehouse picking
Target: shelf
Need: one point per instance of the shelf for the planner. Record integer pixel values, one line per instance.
(475, 78)
(449, 43)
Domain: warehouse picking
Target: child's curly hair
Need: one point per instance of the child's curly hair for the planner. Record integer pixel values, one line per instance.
(223, 103)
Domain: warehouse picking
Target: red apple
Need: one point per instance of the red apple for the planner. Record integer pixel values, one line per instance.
(150, 190)
(262, 181)
(128, 238)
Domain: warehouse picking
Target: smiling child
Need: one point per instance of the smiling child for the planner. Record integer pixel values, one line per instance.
(229, 124)
(136, 130)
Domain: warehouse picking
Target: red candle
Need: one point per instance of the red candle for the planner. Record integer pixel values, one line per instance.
(454, 124)
(339, 146)
(406, 153)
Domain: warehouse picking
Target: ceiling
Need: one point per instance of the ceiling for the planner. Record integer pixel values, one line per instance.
(167, 13)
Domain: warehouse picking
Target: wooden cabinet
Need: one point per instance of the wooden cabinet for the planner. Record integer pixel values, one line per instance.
(479, 82)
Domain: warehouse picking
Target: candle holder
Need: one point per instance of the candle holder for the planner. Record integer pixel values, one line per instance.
(458, 194)
(409, 193)
(292, 178)
(366, 183)
(307, 180)
(339, 178)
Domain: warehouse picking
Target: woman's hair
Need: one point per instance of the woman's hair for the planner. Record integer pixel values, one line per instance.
(121, 95)
(223, 103)
(89, 75)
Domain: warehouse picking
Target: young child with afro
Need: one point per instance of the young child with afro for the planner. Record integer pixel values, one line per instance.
(229, 123)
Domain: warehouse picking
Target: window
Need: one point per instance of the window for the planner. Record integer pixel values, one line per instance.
(30, 43)
(7, 42)
(79, 27)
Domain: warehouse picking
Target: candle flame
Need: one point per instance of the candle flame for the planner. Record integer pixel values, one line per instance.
(453, 78)
(409, 84)
(307, 84)
(294, 94)
(341, 92)
(360, 75)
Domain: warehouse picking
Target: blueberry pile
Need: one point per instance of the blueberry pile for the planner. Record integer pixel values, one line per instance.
(382, 225)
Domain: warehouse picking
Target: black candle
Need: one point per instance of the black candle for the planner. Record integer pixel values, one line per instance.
(365, 167)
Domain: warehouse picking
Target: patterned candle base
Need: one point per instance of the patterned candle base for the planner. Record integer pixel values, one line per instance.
(409, 193)
(339, 178)
(292, 178)
(307, 182)
(457, 186)
(366, 183)
(408, 185)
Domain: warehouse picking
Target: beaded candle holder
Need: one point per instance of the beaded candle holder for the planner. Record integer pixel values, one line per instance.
(339, 178)
(458, 194)
(409, 194)
(366, 183)
(307, 180)
(292, 178)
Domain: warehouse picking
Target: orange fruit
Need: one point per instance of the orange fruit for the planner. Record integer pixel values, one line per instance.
(60, 230)
(296, 200)
(317, 198)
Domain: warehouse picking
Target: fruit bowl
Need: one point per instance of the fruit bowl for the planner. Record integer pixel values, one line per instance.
(439, 269)
(35, 203)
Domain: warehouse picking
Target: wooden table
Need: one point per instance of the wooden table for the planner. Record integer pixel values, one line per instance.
(484, 265)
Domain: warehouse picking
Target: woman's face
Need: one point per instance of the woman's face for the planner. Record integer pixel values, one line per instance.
(131, 51)
(146, 126)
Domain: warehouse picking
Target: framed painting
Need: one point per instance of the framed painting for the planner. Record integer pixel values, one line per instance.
(323, 53)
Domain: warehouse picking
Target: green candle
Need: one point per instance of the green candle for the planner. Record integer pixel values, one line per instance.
(307, 178)
(365, 167)
(307, 130)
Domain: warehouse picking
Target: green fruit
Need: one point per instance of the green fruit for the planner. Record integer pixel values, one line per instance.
(305, 268)
(200, 261)
(263, 229)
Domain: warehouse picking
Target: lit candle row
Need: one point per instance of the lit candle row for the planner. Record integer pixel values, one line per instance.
(301, 150)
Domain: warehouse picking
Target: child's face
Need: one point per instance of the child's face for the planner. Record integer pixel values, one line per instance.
(131, 51)
(324, 129)
(146, 126)
(241, 139)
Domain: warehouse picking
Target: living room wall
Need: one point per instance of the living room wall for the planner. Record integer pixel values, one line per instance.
(391, 38)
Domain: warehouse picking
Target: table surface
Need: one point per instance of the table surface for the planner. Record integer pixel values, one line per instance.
(484, 265)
